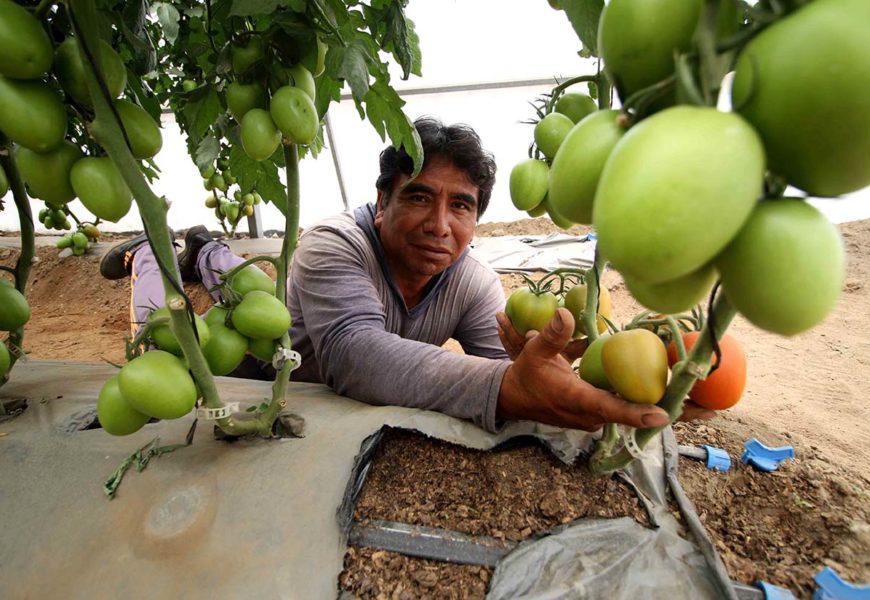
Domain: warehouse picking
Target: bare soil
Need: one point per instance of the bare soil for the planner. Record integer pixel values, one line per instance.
(809, 391)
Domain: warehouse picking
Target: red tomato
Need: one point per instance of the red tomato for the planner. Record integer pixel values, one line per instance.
(723, 388)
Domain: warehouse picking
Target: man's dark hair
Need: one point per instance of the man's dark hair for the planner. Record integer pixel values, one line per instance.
(458, 143)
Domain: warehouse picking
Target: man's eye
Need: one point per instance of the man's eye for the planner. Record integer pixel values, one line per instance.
(418, 197)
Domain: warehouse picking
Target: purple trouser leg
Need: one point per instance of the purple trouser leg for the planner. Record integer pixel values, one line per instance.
(146, 287)
(147, 292)
(214, 260)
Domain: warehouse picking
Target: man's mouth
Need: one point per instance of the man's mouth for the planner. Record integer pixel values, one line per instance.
(433, 251)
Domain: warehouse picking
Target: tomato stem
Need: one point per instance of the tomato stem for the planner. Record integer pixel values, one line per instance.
(26, 255)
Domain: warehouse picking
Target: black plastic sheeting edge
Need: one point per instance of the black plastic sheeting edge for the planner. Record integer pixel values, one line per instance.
(361, 465)
(452, 546)
(692, 521)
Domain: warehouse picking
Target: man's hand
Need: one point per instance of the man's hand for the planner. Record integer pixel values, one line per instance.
(541, 386)
(513, 342)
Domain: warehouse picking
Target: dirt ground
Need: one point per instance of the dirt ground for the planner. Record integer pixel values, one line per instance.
(809, 391)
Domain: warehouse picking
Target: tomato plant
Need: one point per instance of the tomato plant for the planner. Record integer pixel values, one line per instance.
(723, 387)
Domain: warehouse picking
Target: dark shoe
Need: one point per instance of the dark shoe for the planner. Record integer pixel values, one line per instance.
(117, 262)
(195, 238)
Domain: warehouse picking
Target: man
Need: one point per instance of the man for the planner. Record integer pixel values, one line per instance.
(374, 295)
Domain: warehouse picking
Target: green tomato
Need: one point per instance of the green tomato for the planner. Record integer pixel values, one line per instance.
(244, 56)
(295, 115)
(555, 216)
(164, 337)
(64, 242)
(260, 136)
(675, 190)
(579, 162)
(188, 85)
(70, 71)
(262, 349)
(115, 414)
(539, 211)
(101, 188)
(575, 106)
(216, 315)
(142, 130)
(676, 295)
(261, 315)
(301, 78)
(551, 131)
(80, 240)
(530, 311)
(249, 279)
(242, 97)
(31, 114)
(638, 40)
(158, 384)
(635, 363)
(47, 174)
(804, 84)
(4, 182)
(575, 302)
(207, 172)
(225, 350)
(785, 269)
(14, 310)
(218, 182)
(27, 52)
(232, 212)
(591, 369)
(528, 183)
(5, 360)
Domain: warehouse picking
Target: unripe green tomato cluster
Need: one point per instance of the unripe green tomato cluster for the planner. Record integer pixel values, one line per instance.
(34, 117)
(676, 201)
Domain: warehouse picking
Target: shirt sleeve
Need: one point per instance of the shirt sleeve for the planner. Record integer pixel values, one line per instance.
(358, 358)
(477, 332)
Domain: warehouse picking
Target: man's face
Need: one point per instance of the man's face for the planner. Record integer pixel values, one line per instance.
(427, 222)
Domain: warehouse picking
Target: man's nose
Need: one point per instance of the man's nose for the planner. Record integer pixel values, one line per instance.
(438, 219)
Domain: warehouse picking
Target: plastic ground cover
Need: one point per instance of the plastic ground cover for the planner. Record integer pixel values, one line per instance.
(260, 518)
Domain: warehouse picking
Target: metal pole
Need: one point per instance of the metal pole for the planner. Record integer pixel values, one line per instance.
(335, 161)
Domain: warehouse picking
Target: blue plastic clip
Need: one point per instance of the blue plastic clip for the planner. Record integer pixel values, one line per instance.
(774, 592)
(831, 587)
(717, 459)
(764, 457)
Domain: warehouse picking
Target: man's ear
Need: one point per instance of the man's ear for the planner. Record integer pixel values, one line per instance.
(379, 208)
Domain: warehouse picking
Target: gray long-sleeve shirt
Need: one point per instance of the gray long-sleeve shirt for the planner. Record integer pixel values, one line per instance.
(355, 334)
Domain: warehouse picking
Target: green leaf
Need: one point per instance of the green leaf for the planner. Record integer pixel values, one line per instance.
(384, 111)
(207, 152)
(584, 16)
(168, 17)
(201, 112)
(251, 8)
(261, 176)
(350, 64)
(402, 39)
(327, 90)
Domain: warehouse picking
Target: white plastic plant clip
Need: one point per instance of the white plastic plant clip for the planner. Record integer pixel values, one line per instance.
(213, 414)
(631, 445)
(283, 355)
